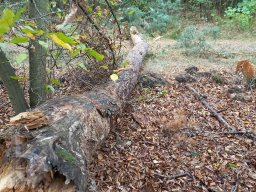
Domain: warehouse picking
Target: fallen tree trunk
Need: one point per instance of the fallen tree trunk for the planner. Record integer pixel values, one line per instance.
(77, 126)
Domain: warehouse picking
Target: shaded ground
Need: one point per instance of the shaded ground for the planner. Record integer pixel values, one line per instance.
(168, 141)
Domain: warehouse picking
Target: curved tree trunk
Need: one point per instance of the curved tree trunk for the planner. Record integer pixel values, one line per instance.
(12, 85)
(77, 126)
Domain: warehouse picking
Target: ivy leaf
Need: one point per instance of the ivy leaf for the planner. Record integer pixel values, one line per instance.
(59, 42)
(21, 57)
(19, 40)
(114, 77)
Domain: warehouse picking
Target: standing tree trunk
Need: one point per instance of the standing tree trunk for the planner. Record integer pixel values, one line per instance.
(77, 126)
(12, 85)
(37, 55)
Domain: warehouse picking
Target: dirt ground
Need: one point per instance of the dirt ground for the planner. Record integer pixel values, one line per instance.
(170, 142)
(167, 59)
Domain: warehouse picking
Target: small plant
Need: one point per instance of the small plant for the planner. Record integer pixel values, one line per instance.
(195, 40)
(217, 78)
(155, 16)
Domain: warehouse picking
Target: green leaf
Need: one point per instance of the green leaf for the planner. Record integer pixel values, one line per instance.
(59, 42)
(3, 28)
(82, 66)
(95, 54)
(28, 29)
(6, 21)
(18, 78)
(19, 40)
(126, 64)
(39, 32)
(14, 77)
(104, 67)
(21, 57)
(74, 53)
(50, 89)
(8, 17)
(55, 81)
(21, 11)
(163, 92)
(130, 12)
(114, 77)
(65, 38)
(43, 44)
(81, 46)
(232, 165)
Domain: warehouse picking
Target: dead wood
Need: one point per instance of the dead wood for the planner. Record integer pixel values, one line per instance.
(76, 127)
(174, 176)
(219, 117)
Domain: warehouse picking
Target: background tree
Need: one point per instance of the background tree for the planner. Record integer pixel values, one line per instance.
(37, 54)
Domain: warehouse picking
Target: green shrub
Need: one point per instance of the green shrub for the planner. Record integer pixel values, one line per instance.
(242, 15)
(218, 78)
(155, 16)
(195, 40)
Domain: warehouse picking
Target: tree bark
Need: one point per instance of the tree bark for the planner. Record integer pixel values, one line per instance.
(37, 55)
(77, 126)
(12, 85)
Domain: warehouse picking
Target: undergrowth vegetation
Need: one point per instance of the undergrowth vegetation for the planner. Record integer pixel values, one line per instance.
(155, 16)
(194, 40)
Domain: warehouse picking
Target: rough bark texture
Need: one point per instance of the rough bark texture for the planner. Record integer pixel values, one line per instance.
(77, 127)
(13, 87)
(37, 55)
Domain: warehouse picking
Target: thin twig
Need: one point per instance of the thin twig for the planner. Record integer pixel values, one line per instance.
(118, 25)
(100, 33)
(219, 117)
(40, 17)
(173, 177)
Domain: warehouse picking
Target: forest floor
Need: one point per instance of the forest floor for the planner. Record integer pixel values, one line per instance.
(167, 140)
